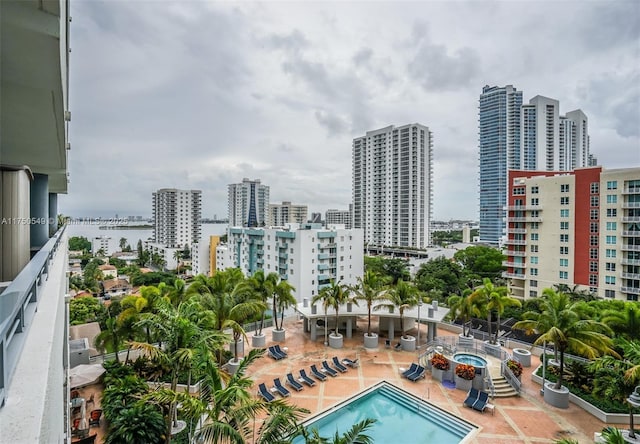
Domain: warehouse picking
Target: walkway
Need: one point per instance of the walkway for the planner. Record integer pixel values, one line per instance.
(524, 419)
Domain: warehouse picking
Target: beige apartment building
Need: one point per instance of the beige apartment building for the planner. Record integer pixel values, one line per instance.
(578, 228)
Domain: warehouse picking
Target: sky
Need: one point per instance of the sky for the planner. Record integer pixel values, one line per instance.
(198, 95)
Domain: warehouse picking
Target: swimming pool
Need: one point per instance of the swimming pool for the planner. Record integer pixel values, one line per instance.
(402, 418)
(474, 360)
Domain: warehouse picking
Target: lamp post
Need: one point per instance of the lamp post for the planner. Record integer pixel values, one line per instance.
(418, 340)
(634, 401)
(326, 326)
(544, 366)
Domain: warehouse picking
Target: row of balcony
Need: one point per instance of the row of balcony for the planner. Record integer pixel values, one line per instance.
(525, 219)
(630, 290)
(524, 207)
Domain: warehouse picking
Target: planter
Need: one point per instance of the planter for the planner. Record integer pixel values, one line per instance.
(463, 384)
(371, 341)
(240, 345)
(278, 335)
(437, 374)
(556, 397)
(466, 341)
(233, 365)
(493, 349)
(258, 341)
(335, 340)
(408, 343)
(522, 356)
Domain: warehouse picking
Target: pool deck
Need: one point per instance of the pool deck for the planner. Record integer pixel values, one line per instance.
(522, 419)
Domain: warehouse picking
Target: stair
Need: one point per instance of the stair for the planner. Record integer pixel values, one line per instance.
(502, 389)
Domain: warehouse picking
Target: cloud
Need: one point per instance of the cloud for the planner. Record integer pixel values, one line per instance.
(438, 70)
(336, 125)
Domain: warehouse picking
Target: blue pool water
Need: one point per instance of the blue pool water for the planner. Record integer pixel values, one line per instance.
(401, 418)
(474, 360)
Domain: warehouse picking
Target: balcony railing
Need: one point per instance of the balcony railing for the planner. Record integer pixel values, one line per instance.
(626, 247)
(630, 261)
(631, 190)
(19, 302)
(515, 253)
(513, 275)
(517, 230)
(631, 219)
(514, 264)
(524, 219)
(630, 276)
(631, 234)
(631, 205)
(515, 242)
(631, 290)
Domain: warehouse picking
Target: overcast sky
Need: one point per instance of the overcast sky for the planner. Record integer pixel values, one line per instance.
(197, 95)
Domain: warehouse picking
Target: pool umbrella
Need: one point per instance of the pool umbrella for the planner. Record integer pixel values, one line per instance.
(85, 374)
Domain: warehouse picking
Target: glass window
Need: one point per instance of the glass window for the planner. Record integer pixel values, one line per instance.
(610, 266)
(533, 283)
(564, 213)
(535, 201)
(610, 253)
(564, 262)
(612, 212)
(564, 200)
(564, 250)
(533, 293)
(564, 275)
(593, 279)
(534, 259)
(593, 267)
(534, 190)
(564, 238)
(564, 188)
(611, 240)
(595, 201)
(612, 198)
(610, 293)
(593, 253)
(534, 248)
(593, 227)
(594, 214)
(534, 236)
(612, 185)
(534, 225)
(610, 280)
(564, 225)
(595, 187)
(612, 226)
(593, 241)
(534, 272)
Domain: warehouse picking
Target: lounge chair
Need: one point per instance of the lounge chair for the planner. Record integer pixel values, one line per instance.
(350, 363)
(420, 373)
(307, 380)
(398, 346)
(482, 401)
(329, 370)
(293, 383)
(94, 418)
(317, 373)
(265, 393)
(472, 397)
(411, 370)
(281, 388)
(279, 350)
(275, 354)
(337, 364)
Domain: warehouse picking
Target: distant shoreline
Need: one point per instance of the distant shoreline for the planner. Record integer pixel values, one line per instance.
(125, 227)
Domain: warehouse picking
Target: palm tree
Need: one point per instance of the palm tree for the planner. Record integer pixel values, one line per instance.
(178, 255)
(355, 435)
(369, 289)
(282, 299)
(403, 295)
(560, 324)
(489, 298)
(334, 296)
(263, 287)
(111, 338)
(138, 423)
(625, 322)
(463, 307)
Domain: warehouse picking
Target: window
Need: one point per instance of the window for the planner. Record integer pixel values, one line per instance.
(610, 294)
(535, 202)
(594, 214)
(534, 272)
(564, 262)
(564, 200)
(564, 213)
(593, 241)
(564, 188)
(610, 280)
(612, 226)
(612, 185)
(595, 187)
(611, 240)
(518, 191)
(595, 201)
(593, 227)
(534, 259)
(534, 225)
(533, 294)
(564, 250)
(564, 275)
(612, 198)
(593, 267)
(534, 248)
(610, 266)
(534, 190)
(533, 283)
(534, 236)
(564, 238)
(610, 253)
(535, 213)
(564, 225)
(612, 212)
(593, 279)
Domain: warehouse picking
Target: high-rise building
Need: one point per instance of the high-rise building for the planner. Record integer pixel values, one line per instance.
(287, 213)
(529, 137)
(579, 228)
(499, 126)
(339, 217)
(392, 185)
(176, 217)
(248, 204)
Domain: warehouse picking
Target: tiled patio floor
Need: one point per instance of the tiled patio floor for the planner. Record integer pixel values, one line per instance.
(523, 419)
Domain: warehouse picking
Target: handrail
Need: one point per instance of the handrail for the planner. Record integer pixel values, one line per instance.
(18, 304)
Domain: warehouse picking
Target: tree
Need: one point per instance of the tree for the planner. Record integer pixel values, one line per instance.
(123, 243)
(625, 322)
(263, 287)
(393, 269)
(440, 274)
(84, 309)
(560, 324)
(79, 243)
(142, 422)
(178, 255)
(481, 261)
(355, 435)
(489, 299)
(369, 290)
(110, 339)
(282, 299)
(403, 295)
(463, 307)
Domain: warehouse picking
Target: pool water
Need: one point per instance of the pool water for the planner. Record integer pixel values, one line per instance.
(474, 360)
(401, 418)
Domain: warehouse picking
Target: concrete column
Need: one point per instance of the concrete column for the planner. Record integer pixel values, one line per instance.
(53, 213)
(14, 214)
(349, 328)
(313, 329)
(391, 325)
(305, 323)
(39, 211)
(430, 331)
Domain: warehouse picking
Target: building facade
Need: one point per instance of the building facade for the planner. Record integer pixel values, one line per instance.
(176, 217)
(392, 186)
(579, 228)
(107, 244)
(287, 213)
(339, 217)
(307, 256)
(248, 204)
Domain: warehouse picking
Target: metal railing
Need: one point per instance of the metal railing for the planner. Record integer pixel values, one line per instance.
(18, 305)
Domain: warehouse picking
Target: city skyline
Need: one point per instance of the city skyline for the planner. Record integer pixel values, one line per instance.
(198, 95)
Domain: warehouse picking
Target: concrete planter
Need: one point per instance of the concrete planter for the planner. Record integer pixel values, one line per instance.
(556, 397)
(371, 341)
(233, 365)
(278, 335)
(258, 341)
(408, 343)
(465, 341)
(437, 374)
(240, 346)
(335, 340)
(463, 384)
(522, 356)
(493, 349)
